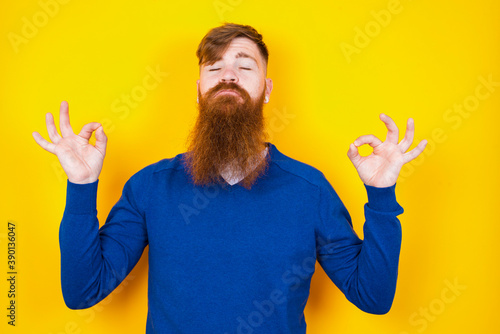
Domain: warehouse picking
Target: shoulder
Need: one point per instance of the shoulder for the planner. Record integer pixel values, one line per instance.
(168, 165)
(297, 169)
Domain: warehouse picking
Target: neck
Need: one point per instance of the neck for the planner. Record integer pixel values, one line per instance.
(232, 175)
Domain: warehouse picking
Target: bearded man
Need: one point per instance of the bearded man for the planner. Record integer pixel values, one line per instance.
(234, 226)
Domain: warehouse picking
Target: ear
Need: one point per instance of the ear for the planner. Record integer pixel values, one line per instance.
(269, 88)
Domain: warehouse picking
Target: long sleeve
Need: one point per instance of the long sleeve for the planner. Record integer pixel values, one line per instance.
(94, 261)
(365, 271)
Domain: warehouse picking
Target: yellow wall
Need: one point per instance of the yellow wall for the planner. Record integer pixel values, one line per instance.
(426, 61)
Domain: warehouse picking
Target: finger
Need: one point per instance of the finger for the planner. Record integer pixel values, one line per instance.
(101, 140)
(415, 152)
(367, 139)
(64, 124)
(49, 147)
(408, 139)
(392, 129)
(353, 154)
(88, 129)
(51, 128)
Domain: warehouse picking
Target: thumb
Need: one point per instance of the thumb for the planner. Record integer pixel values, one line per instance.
(353, 154)
(101, 140)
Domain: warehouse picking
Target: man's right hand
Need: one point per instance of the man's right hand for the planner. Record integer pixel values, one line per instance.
(81, 161)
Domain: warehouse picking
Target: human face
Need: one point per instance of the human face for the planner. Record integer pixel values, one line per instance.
(241, 64)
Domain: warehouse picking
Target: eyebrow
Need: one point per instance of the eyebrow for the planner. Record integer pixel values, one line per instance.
(241, 54)
(246, 55)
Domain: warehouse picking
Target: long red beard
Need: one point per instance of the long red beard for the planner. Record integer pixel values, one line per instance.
(228, 132)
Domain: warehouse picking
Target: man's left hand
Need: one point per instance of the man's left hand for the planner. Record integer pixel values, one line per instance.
(381, 168)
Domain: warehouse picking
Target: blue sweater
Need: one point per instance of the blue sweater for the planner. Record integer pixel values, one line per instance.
(224, 259)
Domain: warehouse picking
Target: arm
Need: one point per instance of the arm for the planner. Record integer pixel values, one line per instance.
(366, 271)
(93, 261)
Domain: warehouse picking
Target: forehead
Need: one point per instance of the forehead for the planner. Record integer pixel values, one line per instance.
(242, 47)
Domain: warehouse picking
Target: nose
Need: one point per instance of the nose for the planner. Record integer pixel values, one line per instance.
(228, 76)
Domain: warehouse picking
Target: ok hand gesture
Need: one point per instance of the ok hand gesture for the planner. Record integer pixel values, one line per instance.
(81, 161)
(381, 168)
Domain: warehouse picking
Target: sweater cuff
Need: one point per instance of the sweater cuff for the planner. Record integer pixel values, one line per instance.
(81, 198)
(382, 199)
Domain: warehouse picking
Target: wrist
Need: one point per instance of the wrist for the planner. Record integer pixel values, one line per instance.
(382, 198)
(88, 180)
(81, 198)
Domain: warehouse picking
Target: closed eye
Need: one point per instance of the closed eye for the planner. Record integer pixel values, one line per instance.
(245, 68)
(214, 69)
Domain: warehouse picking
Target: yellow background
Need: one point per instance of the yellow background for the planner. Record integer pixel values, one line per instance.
(428, 58)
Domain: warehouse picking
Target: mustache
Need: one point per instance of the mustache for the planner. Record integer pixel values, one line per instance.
(227, 86)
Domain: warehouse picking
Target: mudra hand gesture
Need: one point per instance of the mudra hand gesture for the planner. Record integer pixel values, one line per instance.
(381, 168)
(81, 161)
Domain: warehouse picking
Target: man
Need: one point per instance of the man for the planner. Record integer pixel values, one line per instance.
(234, 226)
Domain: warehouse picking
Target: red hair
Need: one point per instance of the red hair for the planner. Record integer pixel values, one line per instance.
(217, 40)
